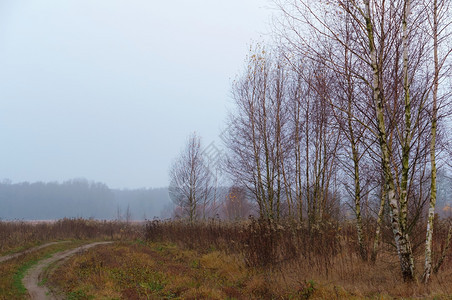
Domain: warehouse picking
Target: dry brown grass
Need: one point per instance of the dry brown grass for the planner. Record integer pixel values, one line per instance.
(287, 260)
(18, 235)
(148, 271)
(218, 260)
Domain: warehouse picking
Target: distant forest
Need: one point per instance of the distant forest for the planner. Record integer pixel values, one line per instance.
(88, 199)
(79, 198)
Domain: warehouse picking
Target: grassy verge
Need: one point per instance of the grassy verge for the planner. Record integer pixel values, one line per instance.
(136, 270)
(19, 275)
(165, 271)
(20, 248)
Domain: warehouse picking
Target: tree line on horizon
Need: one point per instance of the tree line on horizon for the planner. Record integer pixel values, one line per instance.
(78, 198)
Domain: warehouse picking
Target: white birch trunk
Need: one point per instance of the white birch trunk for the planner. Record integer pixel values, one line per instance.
(432, 204)
(401, 239)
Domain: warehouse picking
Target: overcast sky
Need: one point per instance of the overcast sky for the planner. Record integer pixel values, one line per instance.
(109, 90)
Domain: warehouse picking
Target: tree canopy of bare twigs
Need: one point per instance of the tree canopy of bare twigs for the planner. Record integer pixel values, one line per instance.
(191, 181)
(348, 105)
(391, 57)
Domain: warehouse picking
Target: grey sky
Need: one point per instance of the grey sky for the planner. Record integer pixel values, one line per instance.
(110, 89)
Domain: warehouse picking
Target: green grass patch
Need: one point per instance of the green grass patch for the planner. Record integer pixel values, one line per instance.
(19, 276)
(43, 282)
(22, 270)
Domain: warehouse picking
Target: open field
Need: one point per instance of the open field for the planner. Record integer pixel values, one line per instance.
(210, 260)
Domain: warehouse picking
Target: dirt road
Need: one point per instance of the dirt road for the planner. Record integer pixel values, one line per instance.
(14, 255)
(33, 277)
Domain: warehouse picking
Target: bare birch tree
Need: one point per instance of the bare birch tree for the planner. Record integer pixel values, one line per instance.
(438, 14)
(256, 139)
(191, 182)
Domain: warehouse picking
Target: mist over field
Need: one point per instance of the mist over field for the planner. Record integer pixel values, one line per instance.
(79, 198)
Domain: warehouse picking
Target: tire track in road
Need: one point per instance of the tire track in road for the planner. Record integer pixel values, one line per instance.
(35, 274)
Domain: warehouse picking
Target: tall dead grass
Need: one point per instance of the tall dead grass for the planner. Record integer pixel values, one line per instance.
(17, 234)
(292, 255)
